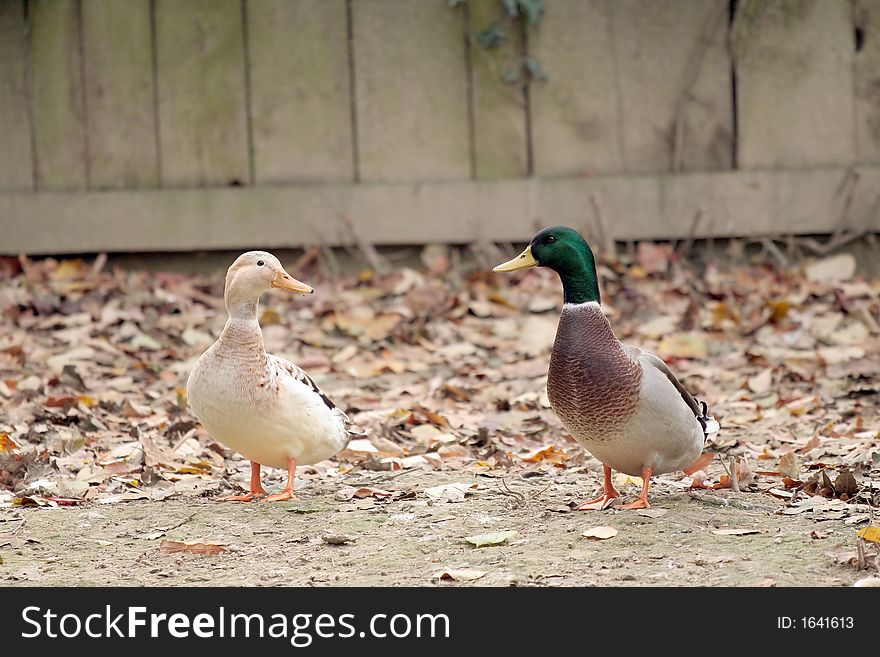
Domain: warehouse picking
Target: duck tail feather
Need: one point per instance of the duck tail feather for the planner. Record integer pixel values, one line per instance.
(710, 424)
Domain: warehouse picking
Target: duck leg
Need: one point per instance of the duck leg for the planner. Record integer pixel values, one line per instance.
(257, 489)
(608, 496)
(694, 468)
(287, 493)
(642, 501)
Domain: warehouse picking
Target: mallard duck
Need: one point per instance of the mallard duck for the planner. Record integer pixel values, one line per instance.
(262, 406)
(622, 404)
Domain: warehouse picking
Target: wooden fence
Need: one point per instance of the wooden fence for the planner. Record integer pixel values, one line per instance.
(190, 124)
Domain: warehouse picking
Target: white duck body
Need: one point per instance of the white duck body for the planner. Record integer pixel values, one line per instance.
(622, 404)
(262, 406)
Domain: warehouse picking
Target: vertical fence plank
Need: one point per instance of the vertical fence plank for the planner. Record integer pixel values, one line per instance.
(16, 161)
(411, 91)
(674, 74)
(117, 51)
(575, 113)
(202, 94)
(867, 82)
(499, 111)
(300, 91)
(58, 109)
(794, 63)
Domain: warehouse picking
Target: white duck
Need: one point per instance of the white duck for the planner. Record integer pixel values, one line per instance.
(262, 406)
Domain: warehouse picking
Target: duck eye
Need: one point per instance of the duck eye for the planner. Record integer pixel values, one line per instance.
(551, 239)
(260, 263)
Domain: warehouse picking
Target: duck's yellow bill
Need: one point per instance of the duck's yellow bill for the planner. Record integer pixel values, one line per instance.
(285, 281)
(523, 260)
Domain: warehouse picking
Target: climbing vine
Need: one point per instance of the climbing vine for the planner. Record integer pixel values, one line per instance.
(519, 15)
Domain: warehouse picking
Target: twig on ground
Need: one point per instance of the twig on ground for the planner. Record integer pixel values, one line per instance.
(367, 250)
(520, 499)
(688, 244)
(771, 248)
(606, 239)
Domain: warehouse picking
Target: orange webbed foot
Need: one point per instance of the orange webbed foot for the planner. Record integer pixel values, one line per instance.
(599, 504)
(283, 496)
(640, 503)
(249, 497)
(608, 495)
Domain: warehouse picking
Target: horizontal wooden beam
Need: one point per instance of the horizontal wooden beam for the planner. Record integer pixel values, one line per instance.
(629, 207)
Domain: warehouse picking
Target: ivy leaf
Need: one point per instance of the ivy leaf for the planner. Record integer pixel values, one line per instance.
(532, 10)
(511, 75)
(491, 37)
(512, 7)
(534, 67)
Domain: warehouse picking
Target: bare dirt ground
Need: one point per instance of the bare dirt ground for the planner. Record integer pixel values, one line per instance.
(105, 478)
(413, 543)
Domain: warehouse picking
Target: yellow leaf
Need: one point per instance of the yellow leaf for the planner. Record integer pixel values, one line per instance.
(683, 345)
(6, 443)
(871, 534)
(548, 453)
(69, 270)
(622, 480)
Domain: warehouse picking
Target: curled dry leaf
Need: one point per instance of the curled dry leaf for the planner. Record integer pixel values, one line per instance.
(549, 453)
(337, 538)
(455, 492)
(173, 547)
(458, 575)
(789, 467)
(492, 538)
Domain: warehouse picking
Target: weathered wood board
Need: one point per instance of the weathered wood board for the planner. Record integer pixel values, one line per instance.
(867, 82)
(675, 108)
(300, 91)
(16, 160)
(411, 91)
(499, 107)
(633, 206)
(202, 93)
(794, 68)
(59, 121)
(575, 126)
(117, 51)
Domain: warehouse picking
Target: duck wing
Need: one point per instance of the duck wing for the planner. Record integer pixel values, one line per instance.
(700, 409)
(281, 367)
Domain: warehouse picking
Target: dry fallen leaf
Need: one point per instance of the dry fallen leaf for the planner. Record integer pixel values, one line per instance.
(788, 466)
(871, 534)
(492, 538)
(458, 575)
(760, 383)
(6, 443)
(173, 547)
(455, 492)
(600, 533)
(735, 532)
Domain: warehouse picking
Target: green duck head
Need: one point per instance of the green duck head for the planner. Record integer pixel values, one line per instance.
(563, 250)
